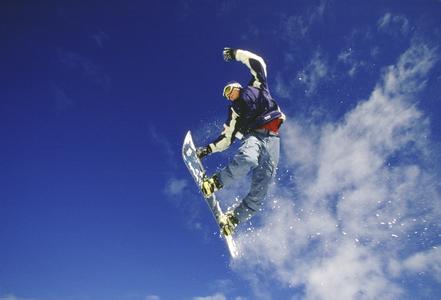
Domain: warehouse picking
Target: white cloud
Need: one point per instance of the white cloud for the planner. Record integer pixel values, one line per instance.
(347, 58)
(298, 26)
(360, 276)
(314, 72)
(408, 76)
(152, 297)
(339, 228)
(394, 24)
(87, 68)
(282, 88)
(160, 140)
(227, 288)
(425, 261)
(100, 37)
(225, 285)
(175, 187)
(12, 297)
(218, 296)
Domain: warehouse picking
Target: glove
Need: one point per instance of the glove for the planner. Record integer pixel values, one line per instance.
(229, 54)
(201, 152)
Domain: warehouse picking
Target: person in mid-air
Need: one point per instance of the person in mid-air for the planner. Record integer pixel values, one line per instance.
(255, 118)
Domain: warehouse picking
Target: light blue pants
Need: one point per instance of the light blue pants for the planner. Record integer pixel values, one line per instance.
(259, 153)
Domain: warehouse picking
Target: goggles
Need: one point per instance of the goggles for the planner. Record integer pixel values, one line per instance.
(229, 88)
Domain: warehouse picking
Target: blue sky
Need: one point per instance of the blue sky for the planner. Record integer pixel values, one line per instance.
(95, 100)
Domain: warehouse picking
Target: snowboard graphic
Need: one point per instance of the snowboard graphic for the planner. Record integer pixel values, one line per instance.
(196, 169)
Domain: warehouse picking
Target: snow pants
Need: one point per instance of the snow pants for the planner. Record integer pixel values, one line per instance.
(259, 153)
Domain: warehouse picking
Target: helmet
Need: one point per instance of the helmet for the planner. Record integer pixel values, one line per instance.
(229, 87)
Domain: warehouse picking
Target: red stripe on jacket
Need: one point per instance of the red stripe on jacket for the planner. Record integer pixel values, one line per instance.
(273, 125)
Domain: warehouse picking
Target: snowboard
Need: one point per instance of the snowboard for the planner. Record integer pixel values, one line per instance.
(197, 171)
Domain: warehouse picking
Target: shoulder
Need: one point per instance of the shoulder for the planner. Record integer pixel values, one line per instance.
(250, 93)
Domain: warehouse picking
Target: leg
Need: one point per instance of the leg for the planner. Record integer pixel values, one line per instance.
(261, 179)
(245, 160)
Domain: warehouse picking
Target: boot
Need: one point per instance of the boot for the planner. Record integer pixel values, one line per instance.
(210, 185)
(228, 223)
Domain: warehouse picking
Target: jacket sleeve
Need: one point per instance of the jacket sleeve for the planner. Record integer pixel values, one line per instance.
(228, 134)
(257, 67)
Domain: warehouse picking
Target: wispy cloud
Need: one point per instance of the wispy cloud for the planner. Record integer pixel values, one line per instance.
(85, 67)
(408, 76)
(218, 296)
(12, 297)
(425, 261)
(362, 190)
(152, 297)
(222, 8)
(100, 37)
(61, 100)
(227, 7)
(162, 142)
(298, 26)
(346, 56)
(282, 87)
(175, 187)
(308, 78)
(313, 73)
(180, 190)
(394, 24)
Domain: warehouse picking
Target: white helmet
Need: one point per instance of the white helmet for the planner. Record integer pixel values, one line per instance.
(229, 87)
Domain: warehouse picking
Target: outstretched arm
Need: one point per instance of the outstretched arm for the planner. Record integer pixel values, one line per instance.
(228, 134)
(226, 137)
(255, 63)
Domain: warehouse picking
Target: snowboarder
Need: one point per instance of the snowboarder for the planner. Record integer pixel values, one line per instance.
(255, 118)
